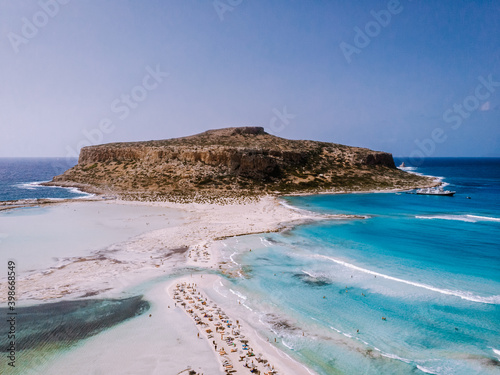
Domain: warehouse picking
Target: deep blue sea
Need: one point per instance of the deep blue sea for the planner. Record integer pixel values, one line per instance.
(19, 178)
(413, 288)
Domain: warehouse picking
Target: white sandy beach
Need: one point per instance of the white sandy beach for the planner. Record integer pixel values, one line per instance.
(155, 253)
(187, 241)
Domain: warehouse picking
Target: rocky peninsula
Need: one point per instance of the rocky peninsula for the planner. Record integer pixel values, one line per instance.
(232, 163)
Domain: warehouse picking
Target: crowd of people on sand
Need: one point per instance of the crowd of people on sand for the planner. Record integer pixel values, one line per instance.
(236, 354)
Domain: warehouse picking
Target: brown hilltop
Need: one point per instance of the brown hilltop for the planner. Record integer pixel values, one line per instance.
(232, 162)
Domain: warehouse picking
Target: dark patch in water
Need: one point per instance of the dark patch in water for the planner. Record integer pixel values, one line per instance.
(312, 281)
(271, 240)
(68, 321)
(284, 325)
(279, 324)
(287, 232)
(485, 361)
(369, 353)
(492, 362)
(248, 271)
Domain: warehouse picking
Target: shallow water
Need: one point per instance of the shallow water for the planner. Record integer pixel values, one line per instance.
(429, 265)
(19, 178)
(161, 341)
(41, 237)
(47, 330)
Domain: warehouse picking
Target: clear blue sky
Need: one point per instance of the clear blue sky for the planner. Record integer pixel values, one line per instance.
(299, 68)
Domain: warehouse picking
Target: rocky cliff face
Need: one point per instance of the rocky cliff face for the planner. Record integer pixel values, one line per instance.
(232, 161)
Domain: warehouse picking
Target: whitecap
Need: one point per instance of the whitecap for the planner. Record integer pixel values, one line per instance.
(466, 218)
(236, 293)
(457, 293)
(413, 169)
(408, 169)
(232, 260)
(246, 306)
(448, 217)
(335, 329)
(427, 370)
(38, 184)
(287, 345)
(484, 218)
(78, 191)
(28, 186)
(394, 356)
(265, 242)
(308, 274)
(497, 352)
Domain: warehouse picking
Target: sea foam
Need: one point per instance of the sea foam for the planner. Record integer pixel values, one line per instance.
(427, 370)
(466, 218)
(38, 185)
(495, 300)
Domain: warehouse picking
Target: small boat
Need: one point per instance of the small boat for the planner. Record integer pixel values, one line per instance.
(435, 191)
(402, 165)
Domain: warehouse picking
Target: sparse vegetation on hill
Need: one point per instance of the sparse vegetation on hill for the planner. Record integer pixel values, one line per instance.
(232, 163)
